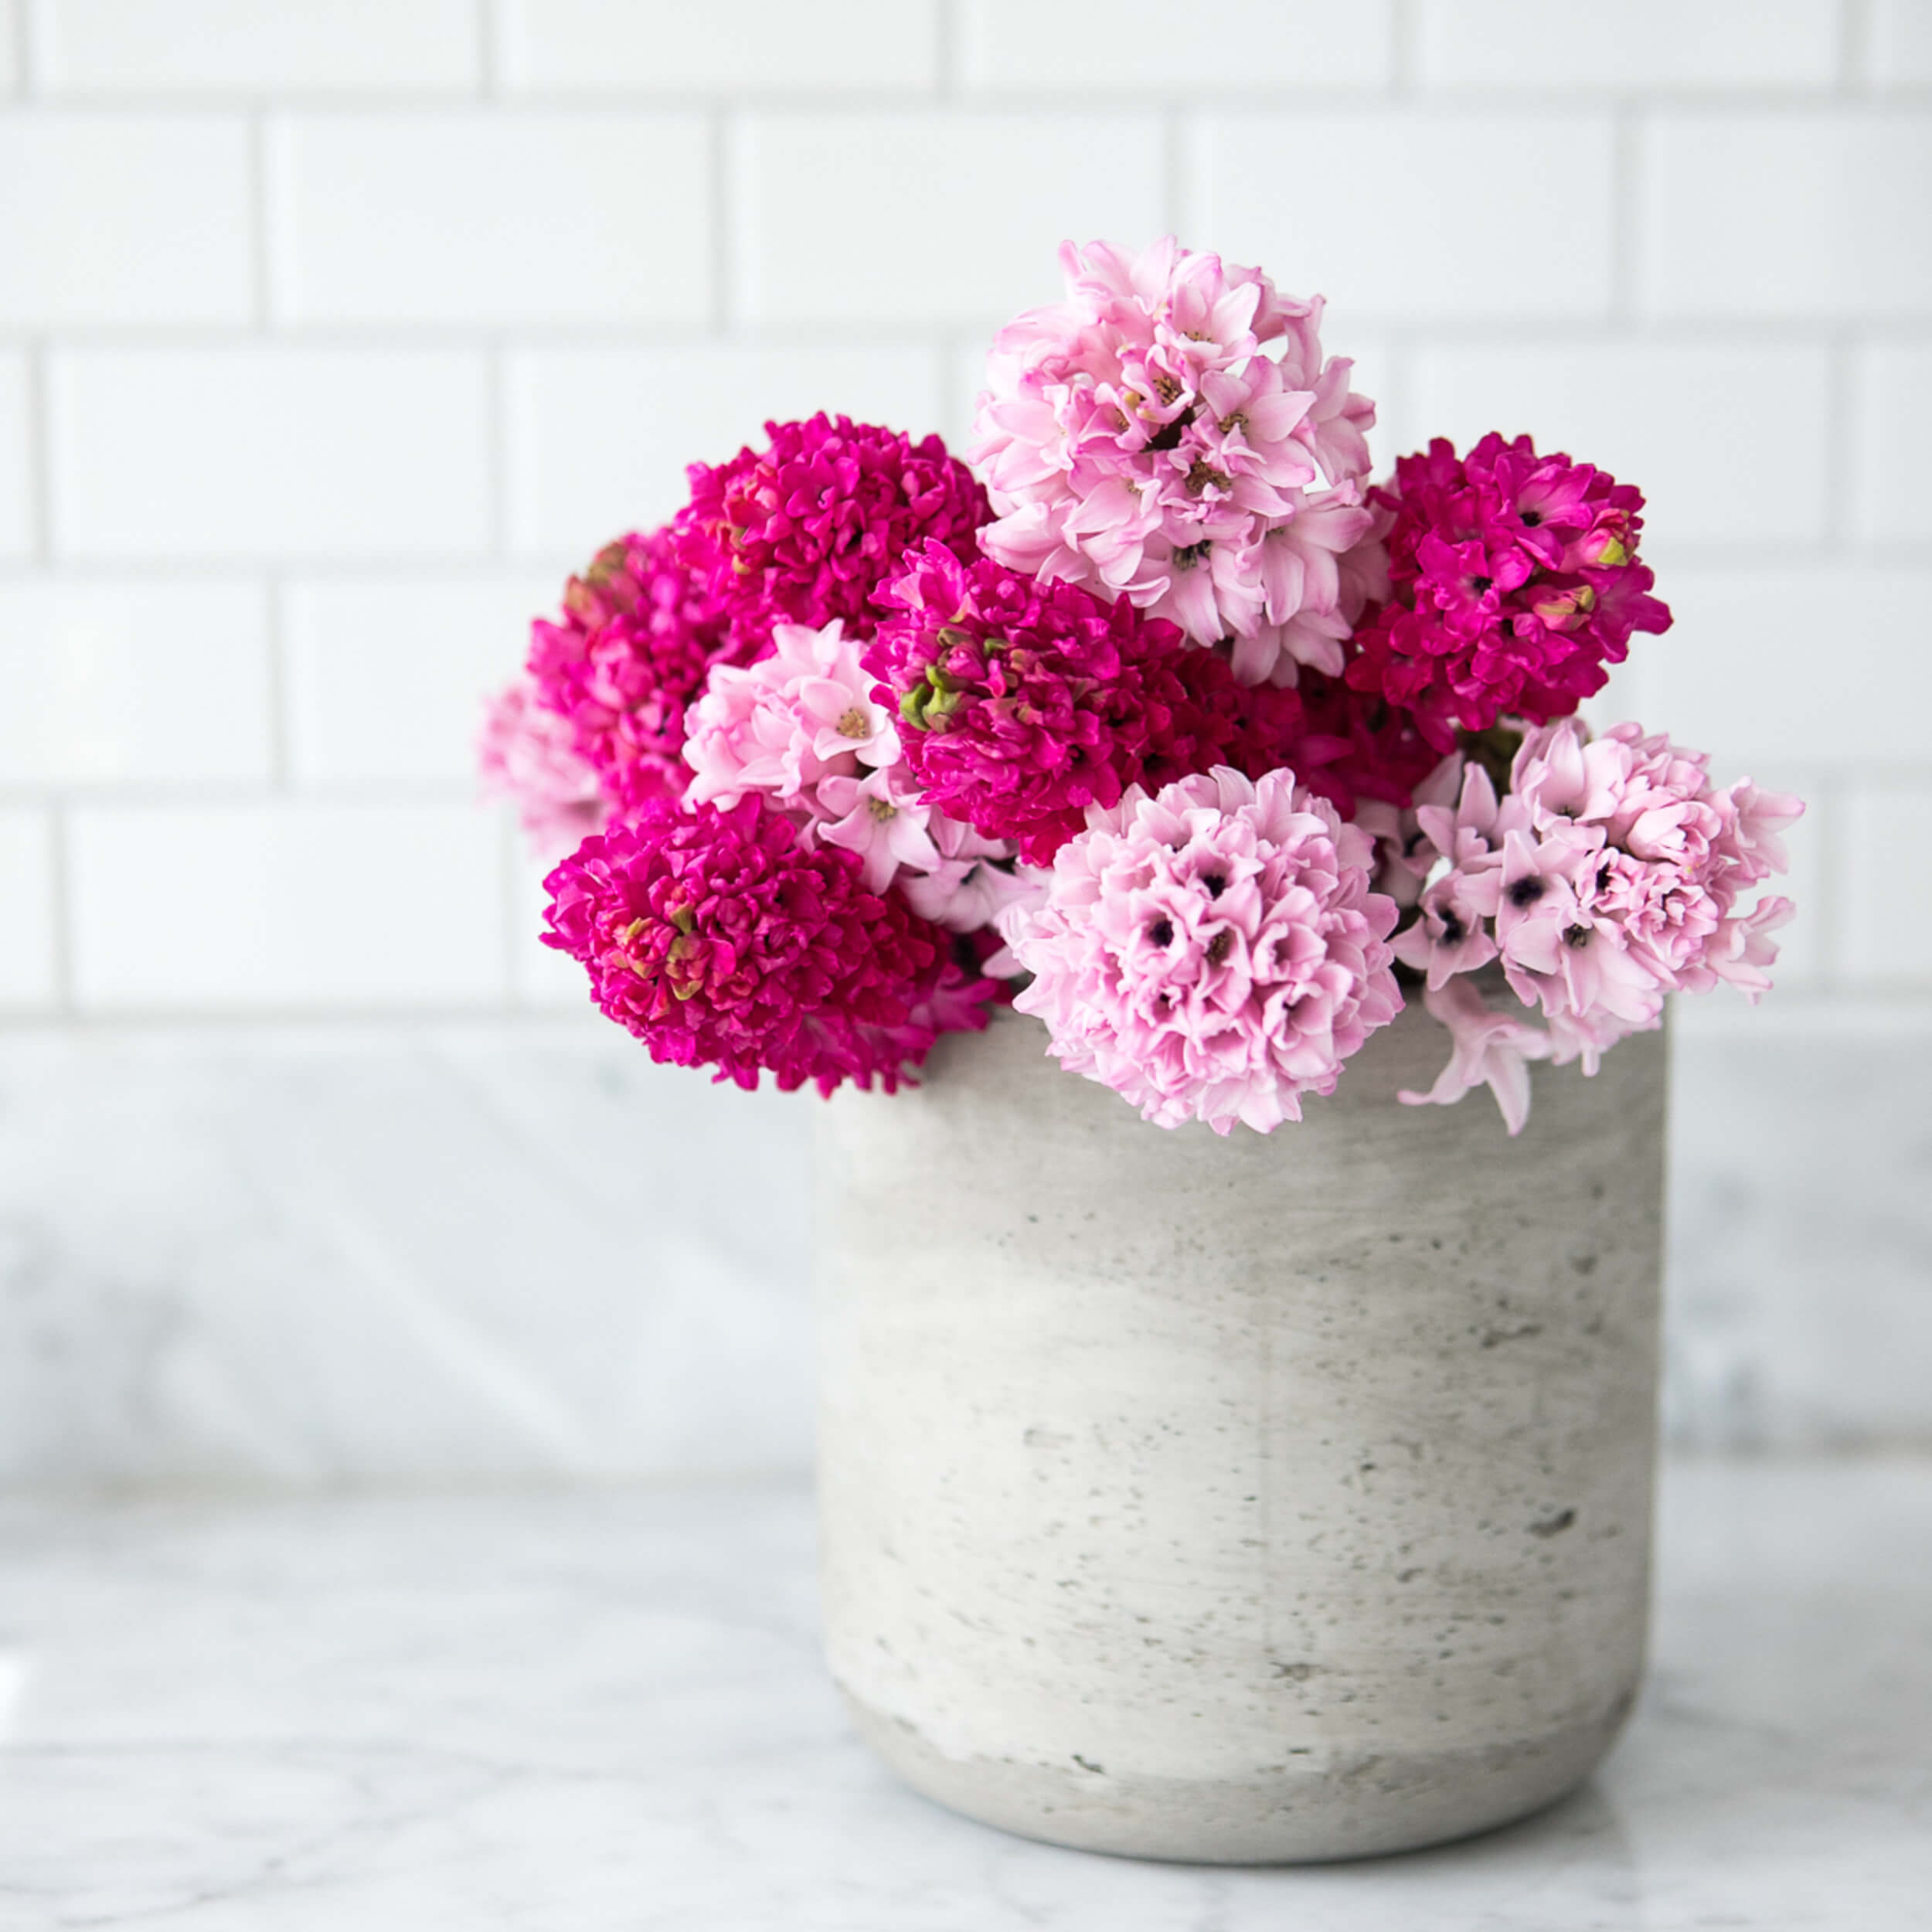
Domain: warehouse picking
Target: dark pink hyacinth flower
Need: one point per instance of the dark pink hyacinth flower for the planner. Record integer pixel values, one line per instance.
(1513, 580)
(639, 633)
(805, 529)
(718, 940)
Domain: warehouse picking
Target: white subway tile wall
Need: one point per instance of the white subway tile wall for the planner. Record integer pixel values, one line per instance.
(333, 333)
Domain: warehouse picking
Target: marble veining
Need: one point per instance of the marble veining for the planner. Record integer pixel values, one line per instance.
(594, 1709)
(503, 1250)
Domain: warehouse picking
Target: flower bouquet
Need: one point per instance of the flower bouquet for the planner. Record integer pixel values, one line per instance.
(1239, 1498)
(1154, 716)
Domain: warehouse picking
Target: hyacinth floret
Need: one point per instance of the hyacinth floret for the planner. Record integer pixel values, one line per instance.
(641, 630)
(1512, 581)
(803, 530)
(1171, 433)
(1212, 953)
(718, 939)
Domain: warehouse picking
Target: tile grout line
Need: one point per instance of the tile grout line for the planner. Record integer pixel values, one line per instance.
(59, 878)
(496, 440)
(949, 24)
(1842, 469)
(487, 23)
(26, 49)
(1854, 50)
(1625, 192)
(281, 724)
(40, 464)
(723, 192)
(261, 271)
(1404, 30)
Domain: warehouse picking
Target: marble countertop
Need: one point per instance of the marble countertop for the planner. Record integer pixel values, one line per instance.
(603, 1709)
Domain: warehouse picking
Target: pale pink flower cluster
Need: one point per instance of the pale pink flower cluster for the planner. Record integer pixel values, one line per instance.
(527, 752)
(802, 728)
(1611, 874)
(1211, 953)
(1171, 431)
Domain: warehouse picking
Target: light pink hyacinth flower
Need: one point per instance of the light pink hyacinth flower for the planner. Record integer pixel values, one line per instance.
(1612, 874)
(527, 753)
(1172, 431)
(802, 728)
(1212, 953)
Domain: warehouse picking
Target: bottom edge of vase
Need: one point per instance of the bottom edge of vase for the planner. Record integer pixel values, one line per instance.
(1367, 1805)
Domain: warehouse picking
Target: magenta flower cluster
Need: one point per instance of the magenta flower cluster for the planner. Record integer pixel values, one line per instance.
(719, 940)
(1611, 872)
(1158, 722)
(1214, 952)
(640, 633)
(1171, 433)
(805, 529)
(1513, 580)
(1023, 703)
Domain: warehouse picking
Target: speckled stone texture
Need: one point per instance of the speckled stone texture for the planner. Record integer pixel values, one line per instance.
(1262, 1499)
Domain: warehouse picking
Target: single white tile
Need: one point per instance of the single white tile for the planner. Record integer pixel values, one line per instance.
(269, 452)
(1224, 47)
(1805, 213)
(482, 216)
(1887, 887)
(124, 218)
(626, 47)
(943, 216)
(599, 439)
(27, 971)
(385, 681)
(133, 683)
(1402, 214)
(1807, 666)
(9, 46)
(1728, 441)
(247, 46)
(1898, 39)
(280, 905)
(16, 463)
(1892, 481)
(1639, 45)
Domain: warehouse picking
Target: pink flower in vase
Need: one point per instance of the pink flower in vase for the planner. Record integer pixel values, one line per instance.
(1212, 953)
(1490, 1049)
(1147, 436)
(718, 939)
(805, 529)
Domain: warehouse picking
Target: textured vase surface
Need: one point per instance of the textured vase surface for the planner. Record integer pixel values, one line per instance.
(1271, 1499)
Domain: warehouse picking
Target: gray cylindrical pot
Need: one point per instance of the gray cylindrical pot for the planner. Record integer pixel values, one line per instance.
(1268, 1498)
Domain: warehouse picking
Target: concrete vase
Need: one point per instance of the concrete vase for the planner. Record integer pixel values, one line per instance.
(1254, 1500)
